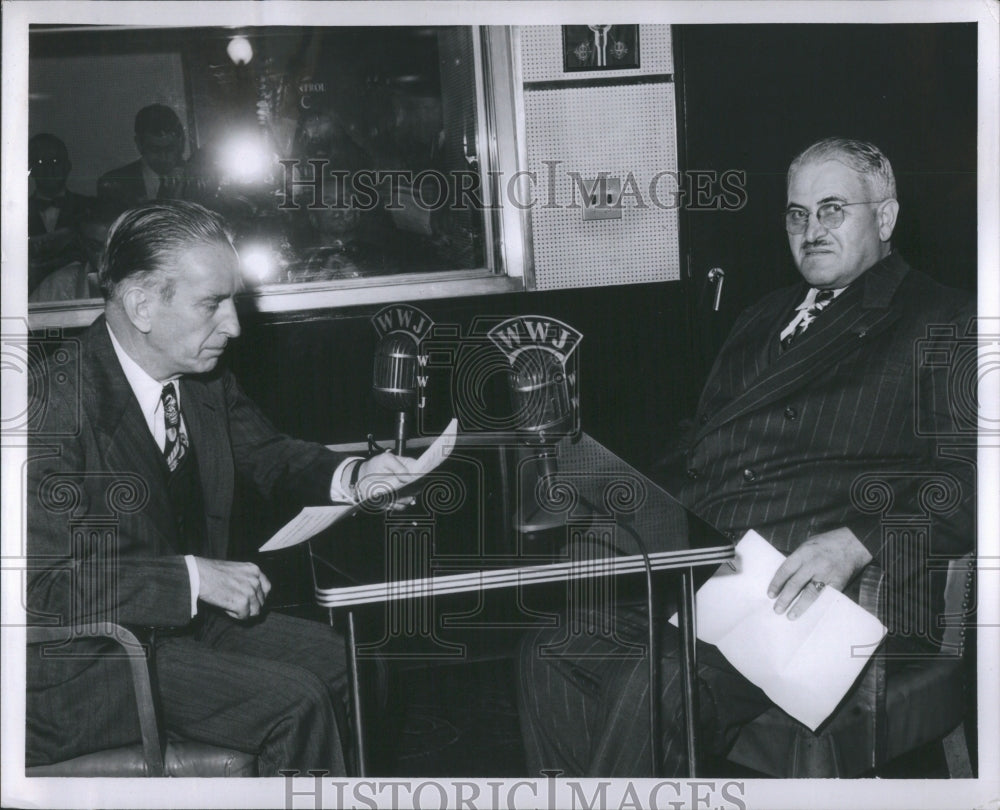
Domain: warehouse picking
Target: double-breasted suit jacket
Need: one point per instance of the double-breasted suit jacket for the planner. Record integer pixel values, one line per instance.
(862, 422)
(102, 538)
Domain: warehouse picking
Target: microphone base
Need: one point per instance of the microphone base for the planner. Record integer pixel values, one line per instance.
(542, 532)
(538, 520)
(540, 542)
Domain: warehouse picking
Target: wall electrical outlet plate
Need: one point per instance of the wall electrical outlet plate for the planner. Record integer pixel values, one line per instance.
(603, 198)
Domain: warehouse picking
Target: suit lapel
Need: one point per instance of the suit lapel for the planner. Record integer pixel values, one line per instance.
(746, 353)
(124, 434)
(844, 329)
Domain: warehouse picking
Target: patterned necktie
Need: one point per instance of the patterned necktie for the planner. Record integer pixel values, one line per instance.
(806, 314)
(177, 441)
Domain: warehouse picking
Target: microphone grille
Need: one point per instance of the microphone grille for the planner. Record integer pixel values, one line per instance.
(394, 379)
(540, 390)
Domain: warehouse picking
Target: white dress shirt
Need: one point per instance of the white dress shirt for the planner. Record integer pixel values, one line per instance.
(50, 216)
(802, 311)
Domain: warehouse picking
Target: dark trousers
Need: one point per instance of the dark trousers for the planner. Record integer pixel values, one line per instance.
(275, 687)
(584, 702)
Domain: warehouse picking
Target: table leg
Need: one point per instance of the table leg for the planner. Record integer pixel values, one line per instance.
(354, 685)
(689, 667)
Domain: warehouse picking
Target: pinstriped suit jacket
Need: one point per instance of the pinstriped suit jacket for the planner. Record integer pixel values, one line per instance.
(102, 541)
(850, 426)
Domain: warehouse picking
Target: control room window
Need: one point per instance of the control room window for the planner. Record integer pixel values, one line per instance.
(343, 157)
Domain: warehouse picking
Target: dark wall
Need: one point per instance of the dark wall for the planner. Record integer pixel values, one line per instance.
(313, 376)
(757, 94)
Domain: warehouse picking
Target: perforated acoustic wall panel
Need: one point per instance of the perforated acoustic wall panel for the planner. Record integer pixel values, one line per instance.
(578, 125)
(627, 132)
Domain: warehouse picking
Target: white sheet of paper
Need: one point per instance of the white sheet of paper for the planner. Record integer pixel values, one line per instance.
(439, 450)
(307, 523)
(805, 666)
(314, 519)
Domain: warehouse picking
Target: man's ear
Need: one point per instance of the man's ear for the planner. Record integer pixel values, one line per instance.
(887, 219)
(137, 302)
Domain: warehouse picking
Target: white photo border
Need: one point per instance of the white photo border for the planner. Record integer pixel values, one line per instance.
(18, 791)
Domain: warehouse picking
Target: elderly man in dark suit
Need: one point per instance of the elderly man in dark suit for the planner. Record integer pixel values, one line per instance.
(815, 392)
(146, 441)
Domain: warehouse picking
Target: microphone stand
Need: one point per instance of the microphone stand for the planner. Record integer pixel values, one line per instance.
(541, 394)
(400, 448)
(394, 382)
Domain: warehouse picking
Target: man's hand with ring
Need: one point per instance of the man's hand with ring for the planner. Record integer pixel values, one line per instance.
(830, 558)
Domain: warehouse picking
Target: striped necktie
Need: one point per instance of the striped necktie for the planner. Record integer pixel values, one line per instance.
(816, 301)
(176, 444)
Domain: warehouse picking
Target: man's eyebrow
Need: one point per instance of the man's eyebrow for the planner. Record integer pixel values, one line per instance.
(827, 199)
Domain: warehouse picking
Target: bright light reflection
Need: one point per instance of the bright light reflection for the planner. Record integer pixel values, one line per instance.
(259, 263)
(239, 50)
(245, 160)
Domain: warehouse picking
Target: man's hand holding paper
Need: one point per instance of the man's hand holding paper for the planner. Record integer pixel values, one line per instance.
(378, 479)
(386, 473)
(805, 667)
(382, 475)
(831, 558)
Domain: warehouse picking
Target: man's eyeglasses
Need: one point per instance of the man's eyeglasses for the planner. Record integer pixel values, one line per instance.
(830, 215)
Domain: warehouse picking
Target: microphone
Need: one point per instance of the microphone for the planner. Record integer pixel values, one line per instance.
(394, 380)
(541, 398)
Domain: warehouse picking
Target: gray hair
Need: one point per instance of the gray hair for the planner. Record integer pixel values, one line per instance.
(144, 242)
(863, 157)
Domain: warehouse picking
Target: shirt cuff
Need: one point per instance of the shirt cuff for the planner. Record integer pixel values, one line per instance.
(192, 567)
(340, 488)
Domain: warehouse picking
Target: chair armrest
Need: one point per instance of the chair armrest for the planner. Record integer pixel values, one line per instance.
(138, 656)
(871, 595)
(872, 689)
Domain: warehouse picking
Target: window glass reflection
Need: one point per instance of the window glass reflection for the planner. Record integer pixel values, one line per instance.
(335, 153)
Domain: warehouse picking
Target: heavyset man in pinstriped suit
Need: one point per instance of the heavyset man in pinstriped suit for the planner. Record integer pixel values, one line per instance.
(141, 452)
(788, 435)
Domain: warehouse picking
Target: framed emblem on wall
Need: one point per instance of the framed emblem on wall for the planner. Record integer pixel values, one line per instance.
(600, 47)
